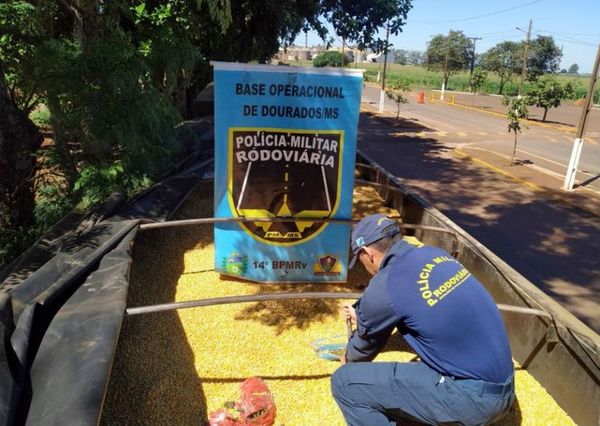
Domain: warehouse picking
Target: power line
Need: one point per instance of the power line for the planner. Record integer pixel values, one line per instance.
(575, 34)
(498, 33)
(576, 42)
(478, 16)
(569, 39)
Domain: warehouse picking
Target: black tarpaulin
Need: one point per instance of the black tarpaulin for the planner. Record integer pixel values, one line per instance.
(62, 302)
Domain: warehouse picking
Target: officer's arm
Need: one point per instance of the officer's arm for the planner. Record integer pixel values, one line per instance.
(375, 321)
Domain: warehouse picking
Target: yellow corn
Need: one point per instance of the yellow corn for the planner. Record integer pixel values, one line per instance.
(177, 367)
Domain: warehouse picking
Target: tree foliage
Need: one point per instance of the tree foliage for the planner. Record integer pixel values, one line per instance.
(478, 78)
(331, 58)
(573, 69)
(504, 59)
(543, 57)
(359, 21)
(408, 57)
(396, 91)
(516, 111)
(117, 76)
(547, 93)
(448, 53)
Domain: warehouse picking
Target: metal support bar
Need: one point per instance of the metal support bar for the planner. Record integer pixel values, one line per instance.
(241, 299)
(522, 310)
(289, 296)
(211, 220)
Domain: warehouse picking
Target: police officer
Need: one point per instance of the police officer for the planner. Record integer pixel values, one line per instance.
(465, 372)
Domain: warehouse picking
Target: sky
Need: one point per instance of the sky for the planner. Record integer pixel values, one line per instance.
(574, 25)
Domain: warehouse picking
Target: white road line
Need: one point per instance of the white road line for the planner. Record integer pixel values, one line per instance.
(552, 161)
(326, 189)
(244, 186)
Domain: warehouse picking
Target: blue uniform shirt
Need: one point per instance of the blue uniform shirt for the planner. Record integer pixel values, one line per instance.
(443, 312)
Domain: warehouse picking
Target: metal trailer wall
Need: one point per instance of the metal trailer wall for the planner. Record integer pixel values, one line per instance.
(62, 302)
(59, 322)
(563, 354)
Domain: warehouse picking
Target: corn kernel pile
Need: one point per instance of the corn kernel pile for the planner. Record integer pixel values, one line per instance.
(177, 367)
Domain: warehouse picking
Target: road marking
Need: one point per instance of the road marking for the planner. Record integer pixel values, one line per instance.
(551, 139)
(590, 140)
(482, 133)
(462, 134)
(533, 186)
(563, 128)
(500, 171)
(552, 161)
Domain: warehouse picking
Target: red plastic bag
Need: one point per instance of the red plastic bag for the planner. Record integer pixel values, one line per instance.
(255, 407)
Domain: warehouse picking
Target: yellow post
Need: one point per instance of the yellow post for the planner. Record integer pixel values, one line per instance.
(452, 99)
(430, 97)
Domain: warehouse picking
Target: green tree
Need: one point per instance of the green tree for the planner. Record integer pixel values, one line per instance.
(573, 69)
(477, 80)
(504, 59)
(396, 91)
(400, 56)
(516, 111)
(414, 57)
(331, 58)
(448, 53)
(117, 76)
(543, 57)
(19, 137)
(547, 93)
(359, 21)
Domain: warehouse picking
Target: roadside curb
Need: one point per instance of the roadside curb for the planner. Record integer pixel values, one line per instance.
(572, 200)
(562, 128)
(537, 188)
(566, 129)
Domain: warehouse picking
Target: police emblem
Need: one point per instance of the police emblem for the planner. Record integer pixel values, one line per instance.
(235, 264)
(327, 265)
(284, 173)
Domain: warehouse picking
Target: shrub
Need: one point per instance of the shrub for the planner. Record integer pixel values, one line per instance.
(331, 59)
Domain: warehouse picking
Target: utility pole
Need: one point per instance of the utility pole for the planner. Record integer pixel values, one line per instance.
(578, 142)
(472, 60)
(306, 39)
(385, 55)
(445, 67)
(524, 56)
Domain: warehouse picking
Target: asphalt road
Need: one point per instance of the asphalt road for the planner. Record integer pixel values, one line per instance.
(541, 147)
(554, 246)
(568, 114)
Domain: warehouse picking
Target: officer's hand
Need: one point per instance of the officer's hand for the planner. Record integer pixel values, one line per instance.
(348, 312)
(343, 358)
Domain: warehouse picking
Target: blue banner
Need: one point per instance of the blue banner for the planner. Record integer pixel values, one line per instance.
(285, 147)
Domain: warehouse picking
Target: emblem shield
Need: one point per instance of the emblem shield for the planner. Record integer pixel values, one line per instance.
(284, 173)
(327, 263)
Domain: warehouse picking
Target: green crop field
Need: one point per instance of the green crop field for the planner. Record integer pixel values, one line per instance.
(420, 78)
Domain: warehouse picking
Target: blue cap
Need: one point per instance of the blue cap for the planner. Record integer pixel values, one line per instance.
(370, 230)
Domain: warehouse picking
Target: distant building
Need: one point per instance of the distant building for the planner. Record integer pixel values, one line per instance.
(379, 57)
(296, 53)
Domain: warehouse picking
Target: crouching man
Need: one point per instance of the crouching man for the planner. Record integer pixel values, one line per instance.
(465, 373)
